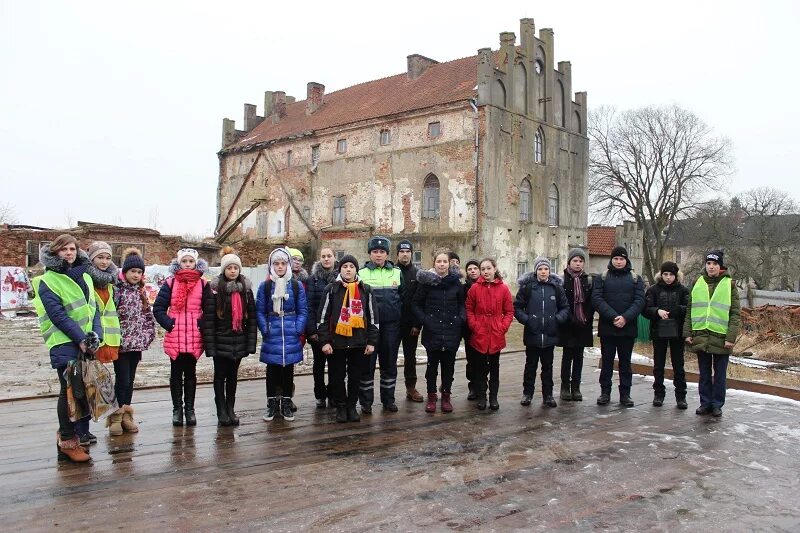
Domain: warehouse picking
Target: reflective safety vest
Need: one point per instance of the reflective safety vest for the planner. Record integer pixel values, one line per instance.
(74, 301)
(112, 334)
(711, 313)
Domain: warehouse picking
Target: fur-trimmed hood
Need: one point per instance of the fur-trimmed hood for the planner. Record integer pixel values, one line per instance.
(301, 276)
(530, 279)
(236, 285)
(319, 272)
(102, 278)
(431, 278)
(678, 280)
(51, 261)
(201, 265)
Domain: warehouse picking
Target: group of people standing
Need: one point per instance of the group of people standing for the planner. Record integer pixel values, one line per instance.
(355, 318)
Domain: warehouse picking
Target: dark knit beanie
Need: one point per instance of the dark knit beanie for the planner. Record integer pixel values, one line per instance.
(348, 259)
(619, 251)
(405, 244)
(577, 252)
(472, 262)
(133, 259)
(453, 255)
(669, 266)
(716, 255)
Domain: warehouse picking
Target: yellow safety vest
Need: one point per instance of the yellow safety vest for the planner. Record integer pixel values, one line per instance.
(112, 333)
(75, 304)
(711, 312)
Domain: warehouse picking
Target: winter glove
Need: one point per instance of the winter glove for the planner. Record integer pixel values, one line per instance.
(92, 342)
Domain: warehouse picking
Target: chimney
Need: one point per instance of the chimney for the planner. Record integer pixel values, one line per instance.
(278, 106)
(314, 96)
(268, 100)
(228, 131)
(251, 120)
(418, 64)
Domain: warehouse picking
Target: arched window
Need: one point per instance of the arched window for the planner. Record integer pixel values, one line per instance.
(430, 197)
(552, 206)
(499, 94)
(577, 121)
(521, 89)
(525, 201)
(559, 111)
(538, 146)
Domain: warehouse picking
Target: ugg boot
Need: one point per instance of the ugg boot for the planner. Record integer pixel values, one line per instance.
(566, 393)
(576, 392)
(447, 407)
(70, 450)
(430, 407)
(114, 422)
(190, 388)
(411, 391)
(128, 423)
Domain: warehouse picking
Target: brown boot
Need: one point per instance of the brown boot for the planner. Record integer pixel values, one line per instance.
(114, 423)
(70, 450)
(128, 423)
(447, 407)
(411, 391)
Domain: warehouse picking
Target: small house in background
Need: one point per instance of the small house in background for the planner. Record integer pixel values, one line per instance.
(602, 239)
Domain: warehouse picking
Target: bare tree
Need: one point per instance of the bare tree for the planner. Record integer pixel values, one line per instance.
(652, 165)
(7, 214)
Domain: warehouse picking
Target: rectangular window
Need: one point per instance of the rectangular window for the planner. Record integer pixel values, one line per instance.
(417, 258)
(678, 256)
(341, 146)
(314, 155)
(522, 268)
(434, 129)
(386, 137)
(118, 247)
(553, 265)
(289, 158)
(338, 211)
(339, 254)
(32, 252)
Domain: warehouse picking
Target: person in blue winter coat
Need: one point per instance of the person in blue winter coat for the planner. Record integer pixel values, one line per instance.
(69, 319)
(618, 296)
(282, 312)
(541, 306)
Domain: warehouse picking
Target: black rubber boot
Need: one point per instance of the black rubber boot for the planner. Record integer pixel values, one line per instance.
(230, 399)
(576, 392)
(190, 388)
(176, 389)
(223, 419)
(566, 392)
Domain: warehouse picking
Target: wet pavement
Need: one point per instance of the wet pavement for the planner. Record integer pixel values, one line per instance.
(577, 467)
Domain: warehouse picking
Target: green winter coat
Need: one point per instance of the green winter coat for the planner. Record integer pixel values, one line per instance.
(709, 341)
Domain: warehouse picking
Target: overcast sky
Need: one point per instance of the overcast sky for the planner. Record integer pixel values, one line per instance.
(112, 111)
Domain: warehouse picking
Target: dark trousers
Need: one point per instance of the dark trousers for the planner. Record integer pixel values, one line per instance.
(124, 374)
(622, 347)
(534, 355)
(712, 385)
(487, 366)
(447, 360)
(280, 378)
(183, 379)
(475, 363)
(226, 375)
(65, 426)
(676, 349)
(409, 342)
(571, 365)
(348, 363)
(318, 368)
(386, 354)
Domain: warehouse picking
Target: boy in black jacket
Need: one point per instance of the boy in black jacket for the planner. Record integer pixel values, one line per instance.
(348, 333)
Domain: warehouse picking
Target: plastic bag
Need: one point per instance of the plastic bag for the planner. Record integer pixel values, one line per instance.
(77, 406)
(99, 387)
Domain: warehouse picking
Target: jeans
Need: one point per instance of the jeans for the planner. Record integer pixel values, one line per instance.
(124, 374)
(320, 390)
(622, 347)
(533, 355)
(712, 387)
(386, 353)
(409, 342)
(350, 363)
(448, 362)
(280, 378)
(571, 365)
(487, 366)
(676, 350)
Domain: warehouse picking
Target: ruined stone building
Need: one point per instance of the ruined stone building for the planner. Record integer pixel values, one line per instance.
(486, 155)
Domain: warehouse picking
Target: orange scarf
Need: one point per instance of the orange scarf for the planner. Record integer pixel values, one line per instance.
(352, 313)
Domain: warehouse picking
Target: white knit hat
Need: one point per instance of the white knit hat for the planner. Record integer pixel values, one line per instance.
(230, 259)
(191, 252)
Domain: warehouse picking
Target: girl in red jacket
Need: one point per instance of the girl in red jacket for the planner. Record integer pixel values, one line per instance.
(490, 311)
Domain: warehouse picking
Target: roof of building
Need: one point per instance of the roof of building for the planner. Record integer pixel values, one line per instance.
(439, 84)
(601, 239)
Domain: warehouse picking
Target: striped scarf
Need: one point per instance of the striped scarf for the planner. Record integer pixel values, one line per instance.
(352, 313)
